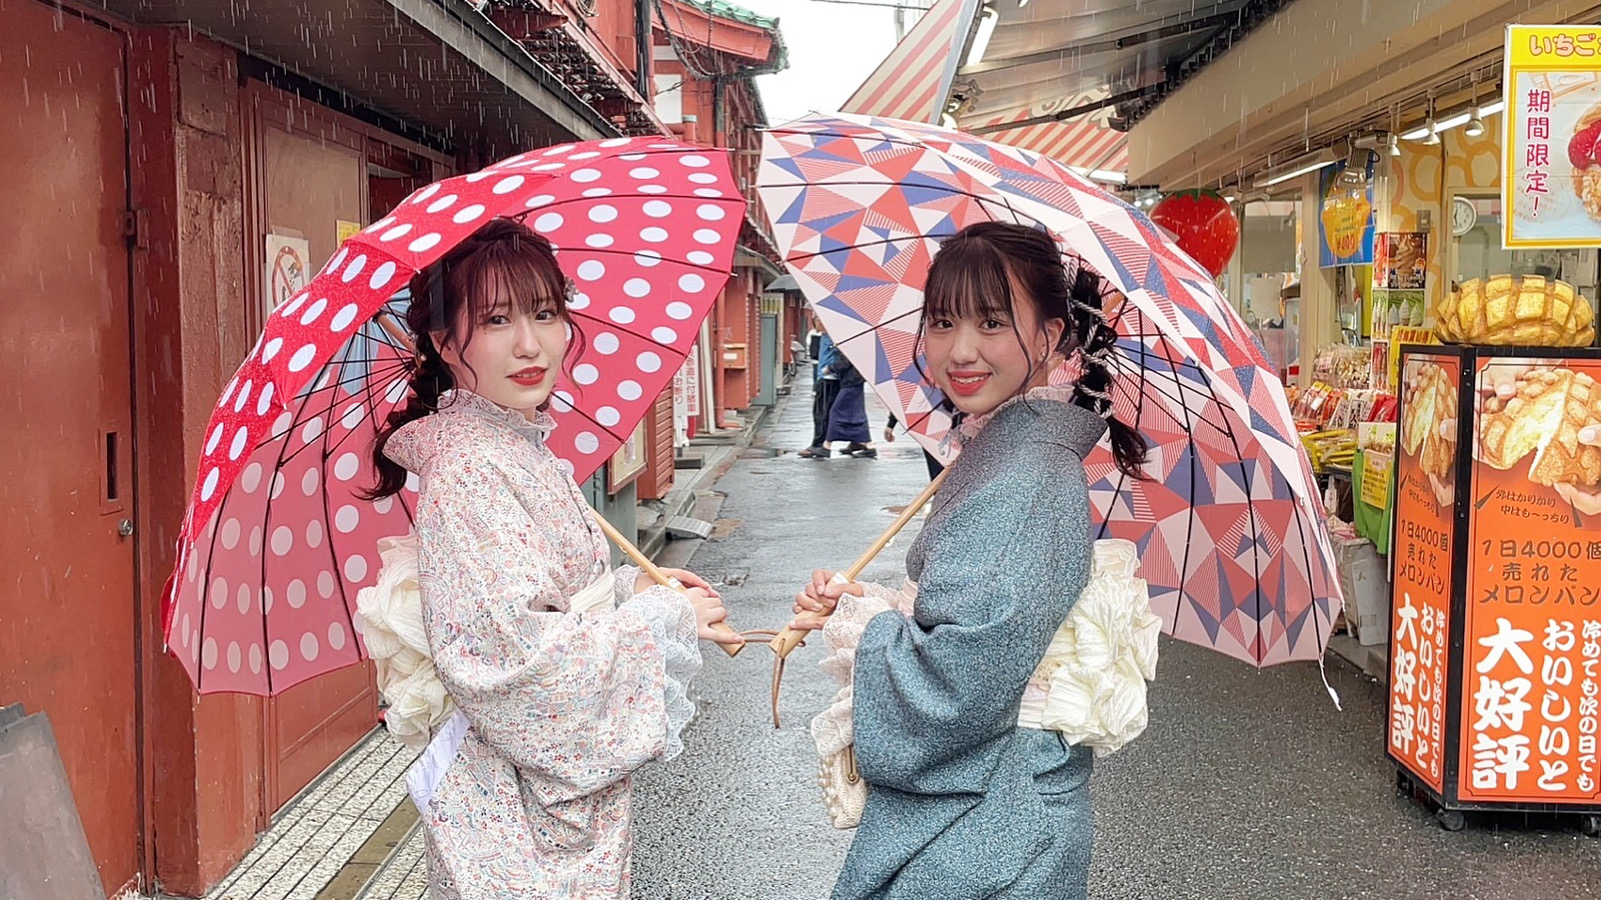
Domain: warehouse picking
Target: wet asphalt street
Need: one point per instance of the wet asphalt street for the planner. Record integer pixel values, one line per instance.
(1247, 784)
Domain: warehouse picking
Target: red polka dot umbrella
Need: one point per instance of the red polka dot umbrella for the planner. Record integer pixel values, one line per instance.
(277, 540)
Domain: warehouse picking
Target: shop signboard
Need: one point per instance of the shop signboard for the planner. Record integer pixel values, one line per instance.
(1532, 629)
(1345, 216)
(1551, 173)
(1426, 467)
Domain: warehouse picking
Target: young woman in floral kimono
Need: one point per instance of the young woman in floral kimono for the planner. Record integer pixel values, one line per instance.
(978, 784)
(566, 676)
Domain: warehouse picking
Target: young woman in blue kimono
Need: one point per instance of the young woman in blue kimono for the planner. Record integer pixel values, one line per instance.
(968, 796)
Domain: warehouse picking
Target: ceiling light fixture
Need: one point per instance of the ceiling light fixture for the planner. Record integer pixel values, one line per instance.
(981, 40)
(1296, 167)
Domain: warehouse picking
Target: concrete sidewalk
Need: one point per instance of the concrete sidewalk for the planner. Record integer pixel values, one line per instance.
(352, 834)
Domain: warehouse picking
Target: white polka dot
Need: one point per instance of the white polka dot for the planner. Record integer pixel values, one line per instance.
(345, 316)
(695, 162)
(708, 192)
(282, 424)
(283, 540)
(603, 213)
(264, 402)
(653, 234)
(381, 224)
(600, 241)
(636, 287)
(597, 192)
(548, 222)
(255, 659)
(278, 655)
(622, 315)
(237, 445)
(353, 416)
(606, 343)
(562, 401)
(308, 647)
(219, 592)
(706, 236)
(356, 569)
(186, 629)
(664, 335)
(210, 486)
(395, 233)
(609, 143)
(443, 203)
(315, 309)
(591, 270)
(648, 259)
(383, 505)
(293, 306)
(314, 534)
(311, 431)
(632, 157)
(255, 541)
(345, 467)
(467, 214)
(397, 390)
(271, 349)
(644, 173)
(347, 519)
(251, 479)
(652, 189)
(586, 442)
(277, 485)
(296, 594)
(235, 657)
(658, 209)
(230, 534)
(208, 656)
(679, 310)
(336, 637)
(353, 271)
(585, 374)
(216, 437)
(648, 362)
(425, 193)
(507, 185)
(244, 395)
(380, 277)
(585, 176)
(700, 257)
(549, 167)
(703, 178)
(302, 357)
(607, 416)
(630, 390)
(539, 200)
(690, 284)
(579, 300)
(424, 243)
(326, 584)
(338, 260)
(242, 599)
(476, 177)
(310, 481)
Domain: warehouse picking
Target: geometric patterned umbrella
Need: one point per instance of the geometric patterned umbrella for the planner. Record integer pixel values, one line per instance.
(276, 541)
(1230, 527)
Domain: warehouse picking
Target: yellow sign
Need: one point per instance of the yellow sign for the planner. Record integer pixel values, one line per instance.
(1551, 174)
(346, 229)
(1405, 335)
(1376, 478)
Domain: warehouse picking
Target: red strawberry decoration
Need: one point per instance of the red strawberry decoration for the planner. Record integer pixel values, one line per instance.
(1581, 149)
(1203, 225)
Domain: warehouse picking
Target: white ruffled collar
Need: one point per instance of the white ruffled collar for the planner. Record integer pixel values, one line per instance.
(465, 401)
(972, 425)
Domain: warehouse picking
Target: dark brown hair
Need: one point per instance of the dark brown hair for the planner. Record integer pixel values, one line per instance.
(503, 264)
(971, 277)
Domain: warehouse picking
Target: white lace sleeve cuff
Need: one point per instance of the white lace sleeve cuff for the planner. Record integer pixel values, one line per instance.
(624, 590)
(831, 729)
(672, 623)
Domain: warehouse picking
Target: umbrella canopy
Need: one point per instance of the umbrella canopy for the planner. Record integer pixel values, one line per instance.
(277, 541)
(1230, 528)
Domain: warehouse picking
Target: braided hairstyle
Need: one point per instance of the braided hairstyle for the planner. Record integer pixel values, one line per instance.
(502, 264)
(972, 276)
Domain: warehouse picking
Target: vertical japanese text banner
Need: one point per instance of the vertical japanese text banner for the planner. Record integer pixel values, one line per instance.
(1551, 177)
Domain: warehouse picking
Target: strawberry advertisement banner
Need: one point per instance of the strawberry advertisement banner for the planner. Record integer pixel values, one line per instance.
(1345, 216)
(1551, 176)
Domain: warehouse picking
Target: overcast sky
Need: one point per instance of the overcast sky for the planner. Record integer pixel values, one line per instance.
(832, 49)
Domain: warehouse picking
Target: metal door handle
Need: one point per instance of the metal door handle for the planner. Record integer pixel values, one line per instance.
(125, 528)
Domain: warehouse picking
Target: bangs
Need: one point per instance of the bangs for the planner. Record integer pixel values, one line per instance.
(510, 276)
(968, 280)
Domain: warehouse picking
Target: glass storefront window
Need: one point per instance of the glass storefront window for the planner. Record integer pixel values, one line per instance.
(1477, 252)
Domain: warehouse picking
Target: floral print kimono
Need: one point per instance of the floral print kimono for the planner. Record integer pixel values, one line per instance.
(528, 791)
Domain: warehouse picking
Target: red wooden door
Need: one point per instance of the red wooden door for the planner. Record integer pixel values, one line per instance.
(67, 602)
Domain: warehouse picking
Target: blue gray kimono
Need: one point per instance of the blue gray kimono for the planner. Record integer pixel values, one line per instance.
(963, 803)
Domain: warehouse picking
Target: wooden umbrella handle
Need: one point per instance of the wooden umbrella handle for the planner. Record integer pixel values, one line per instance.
(790, 638)
(656, 574)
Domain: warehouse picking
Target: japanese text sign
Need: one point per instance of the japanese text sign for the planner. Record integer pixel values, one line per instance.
(1551, 178)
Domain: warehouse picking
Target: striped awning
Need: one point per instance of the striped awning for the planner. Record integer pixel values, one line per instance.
(914, 80)
(1087, 142)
